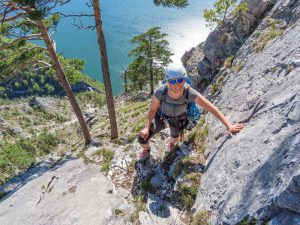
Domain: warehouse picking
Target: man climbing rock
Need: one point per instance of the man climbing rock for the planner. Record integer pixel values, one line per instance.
(169, 106)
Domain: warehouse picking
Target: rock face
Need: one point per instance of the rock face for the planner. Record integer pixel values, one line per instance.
(41, 103)
(221, 43)
(69, 193)
(255, 174)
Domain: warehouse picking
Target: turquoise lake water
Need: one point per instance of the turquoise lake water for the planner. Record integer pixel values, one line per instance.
(123, 19)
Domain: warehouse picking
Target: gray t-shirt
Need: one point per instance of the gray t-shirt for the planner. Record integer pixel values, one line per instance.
(171, 107)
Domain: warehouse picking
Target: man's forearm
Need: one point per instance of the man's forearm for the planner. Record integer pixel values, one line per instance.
(219, 115)
(151, 115)
(203, 102)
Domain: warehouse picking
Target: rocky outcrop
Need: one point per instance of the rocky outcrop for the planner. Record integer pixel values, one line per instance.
(254, 175)
(224, 42)
(44, 104)
(68, 192)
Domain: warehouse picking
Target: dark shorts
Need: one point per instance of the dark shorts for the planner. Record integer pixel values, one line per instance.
(176, 126)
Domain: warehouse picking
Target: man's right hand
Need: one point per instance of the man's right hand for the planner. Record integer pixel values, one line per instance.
(144, 133)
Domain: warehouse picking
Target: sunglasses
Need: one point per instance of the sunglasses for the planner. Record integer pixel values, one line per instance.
(174, 81)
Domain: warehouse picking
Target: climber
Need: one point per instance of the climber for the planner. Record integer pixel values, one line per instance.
(169, 105)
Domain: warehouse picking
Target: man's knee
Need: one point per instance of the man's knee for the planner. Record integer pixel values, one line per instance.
(141, 140)
(175, 132)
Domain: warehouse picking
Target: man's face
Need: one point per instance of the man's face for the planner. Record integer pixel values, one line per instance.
(176, 84)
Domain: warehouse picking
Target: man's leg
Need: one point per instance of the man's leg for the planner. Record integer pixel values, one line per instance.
(156, 126)
(145, 146)
(174, 140)
(175, 132)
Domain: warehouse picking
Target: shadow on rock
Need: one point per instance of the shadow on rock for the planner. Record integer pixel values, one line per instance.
(158, 207)
(32, 173)
(163, 182)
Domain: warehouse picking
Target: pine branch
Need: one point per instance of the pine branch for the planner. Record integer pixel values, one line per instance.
(29, 37)
(74, 15)
(26, 50)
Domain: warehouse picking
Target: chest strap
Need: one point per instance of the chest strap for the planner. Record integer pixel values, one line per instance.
(163, 100)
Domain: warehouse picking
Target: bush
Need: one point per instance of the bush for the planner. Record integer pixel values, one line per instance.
(201, 218)
(263, 40)
(36, 87)
(47, 142)
(107, 155)
(188, 195)
(228, 61)
(49, 88)
(15, 158)
(118, 211)
(98, 99)
(214, 88)
(238, 67)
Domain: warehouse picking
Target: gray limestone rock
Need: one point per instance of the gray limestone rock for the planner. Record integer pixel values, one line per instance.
(2, 121)
(159, 212)
(225, 41)
(70, 193)
(44, 104)
(158, 180)
(256, 172)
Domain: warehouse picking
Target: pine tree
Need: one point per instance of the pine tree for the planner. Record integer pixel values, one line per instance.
(222, 9)
(152, 55)
(170, 3)
(32, 20)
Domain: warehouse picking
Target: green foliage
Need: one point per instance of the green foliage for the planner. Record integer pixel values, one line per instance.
(107, 155)
(55, 19)
(241, 9)
(201, 218)
(16, 63)
(129, 107)
(263, 39)
(257, 34)
(42, 8)
(36, 88)
(188, 194)
(46, 142)
(72, 69)
(221, 10)
(151, 56)
(18, 156)
(214, 88)
(228, 61)
(238, 67)
(95, 98)
(2, 89)
(199, 134)
(19, 60)
(194, 177)
(146, 184)
(139, 125)
(249, 221)
(170, 3)
(49, 88)
(118, 212)
(140, 205)
(13, 155)
(80, 154)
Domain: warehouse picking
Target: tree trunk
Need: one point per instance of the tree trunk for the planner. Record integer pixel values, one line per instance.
(105, 70)
(64, 82)
(151, 67)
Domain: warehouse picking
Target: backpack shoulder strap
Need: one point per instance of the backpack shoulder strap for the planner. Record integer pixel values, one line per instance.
(186, 93)
(164, 93)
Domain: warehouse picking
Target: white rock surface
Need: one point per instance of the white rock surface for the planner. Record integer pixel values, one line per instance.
(71, 193)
